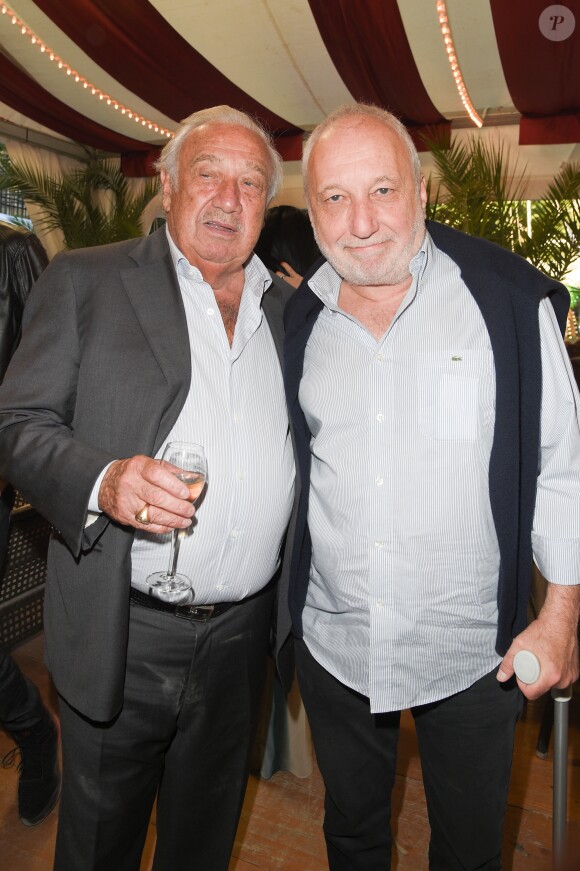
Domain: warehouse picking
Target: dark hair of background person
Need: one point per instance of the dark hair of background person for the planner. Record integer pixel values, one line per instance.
(287, 237)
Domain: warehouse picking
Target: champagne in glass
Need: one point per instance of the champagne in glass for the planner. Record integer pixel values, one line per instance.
(190, 460)
(195, 482)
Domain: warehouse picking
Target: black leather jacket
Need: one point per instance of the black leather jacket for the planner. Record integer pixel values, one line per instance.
(22, 259)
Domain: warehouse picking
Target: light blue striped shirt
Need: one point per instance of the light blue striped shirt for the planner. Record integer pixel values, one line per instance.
(236, 409)
(401, 603)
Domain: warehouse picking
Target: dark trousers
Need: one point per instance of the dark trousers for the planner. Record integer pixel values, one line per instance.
(184, 734)
(465, 745)
(20, 704)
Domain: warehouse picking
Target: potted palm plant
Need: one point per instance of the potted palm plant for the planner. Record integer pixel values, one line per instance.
(480, 189)
(91, 205)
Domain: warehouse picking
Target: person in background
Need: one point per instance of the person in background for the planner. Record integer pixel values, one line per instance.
(288, 248)
(22, 713)
(436, 422)
(126, 347)
(286, 244)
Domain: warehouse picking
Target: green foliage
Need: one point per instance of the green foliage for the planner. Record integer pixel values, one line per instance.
(92, 205)
(480, 189)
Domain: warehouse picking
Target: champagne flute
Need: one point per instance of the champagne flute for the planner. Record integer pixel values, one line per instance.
(191, 461)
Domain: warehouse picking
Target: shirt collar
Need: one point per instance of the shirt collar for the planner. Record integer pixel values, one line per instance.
(325, 283)
(256, 276)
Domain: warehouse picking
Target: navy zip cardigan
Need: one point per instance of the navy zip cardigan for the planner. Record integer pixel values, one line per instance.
(508, 291)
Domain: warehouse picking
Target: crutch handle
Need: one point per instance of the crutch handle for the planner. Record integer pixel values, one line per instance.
(527, 669)
(527, 666)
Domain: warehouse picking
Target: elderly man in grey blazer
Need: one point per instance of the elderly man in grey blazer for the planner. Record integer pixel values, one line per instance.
(126, 348)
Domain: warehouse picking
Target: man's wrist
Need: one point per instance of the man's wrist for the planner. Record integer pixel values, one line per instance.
(562, 603)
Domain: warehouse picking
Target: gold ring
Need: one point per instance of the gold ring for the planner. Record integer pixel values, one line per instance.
(143, 515)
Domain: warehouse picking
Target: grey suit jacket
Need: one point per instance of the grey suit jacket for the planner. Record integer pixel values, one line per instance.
(102, 372)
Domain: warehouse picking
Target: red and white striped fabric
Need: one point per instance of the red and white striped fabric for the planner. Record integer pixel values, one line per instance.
(289, 63)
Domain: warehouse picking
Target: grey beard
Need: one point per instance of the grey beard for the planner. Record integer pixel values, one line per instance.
(391, 271)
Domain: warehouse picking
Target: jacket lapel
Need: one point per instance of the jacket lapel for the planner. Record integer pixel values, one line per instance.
(155, 296)
(273, 302)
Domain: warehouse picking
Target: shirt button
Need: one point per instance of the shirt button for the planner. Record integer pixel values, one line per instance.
(380, 604)
(241, 476)
(378, 544)
(219, 587)
(211, 311)
(380, 417)
(379, 482)
(380, 357)
(234, 533)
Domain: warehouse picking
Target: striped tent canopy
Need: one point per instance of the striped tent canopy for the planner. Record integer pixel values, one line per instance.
(117, 75)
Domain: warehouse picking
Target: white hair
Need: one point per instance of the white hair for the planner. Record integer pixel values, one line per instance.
(359, 111)
(169, 158)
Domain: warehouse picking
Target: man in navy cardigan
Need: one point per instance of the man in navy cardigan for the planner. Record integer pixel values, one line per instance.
(435, 420)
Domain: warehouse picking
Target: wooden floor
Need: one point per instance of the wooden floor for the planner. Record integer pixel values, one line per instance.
(280, 828)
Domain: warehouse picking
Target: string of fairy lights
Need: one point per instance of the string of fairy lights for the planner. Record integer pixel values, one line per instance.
(454, 63)
(92, 90)
(131, 114)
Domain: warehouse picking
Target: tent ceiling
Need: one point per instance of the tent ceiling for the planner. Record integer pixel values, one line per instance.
(292, 61)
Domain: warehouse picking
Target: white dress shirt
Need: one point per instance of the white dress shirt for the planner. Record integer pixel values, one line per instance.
(236, 410)
(401, 604)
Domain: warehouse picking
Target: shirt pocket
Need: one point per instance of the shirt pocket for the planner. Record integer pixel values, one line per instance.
(452, 391)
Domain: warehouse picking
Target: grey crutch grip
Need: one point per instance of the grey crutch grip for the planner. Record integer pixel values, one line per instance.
(527, 669)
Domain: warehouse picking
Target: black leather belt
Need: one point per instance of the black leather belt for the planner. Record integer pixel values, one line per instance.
(186, 612)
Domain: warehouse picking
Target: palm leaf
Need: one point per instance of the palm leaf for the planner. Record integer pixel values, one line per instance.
(480, 189)
(91, 205)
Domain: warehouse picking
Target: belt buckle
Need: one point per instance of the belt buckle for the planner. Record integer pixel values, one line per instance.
(201, 613)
